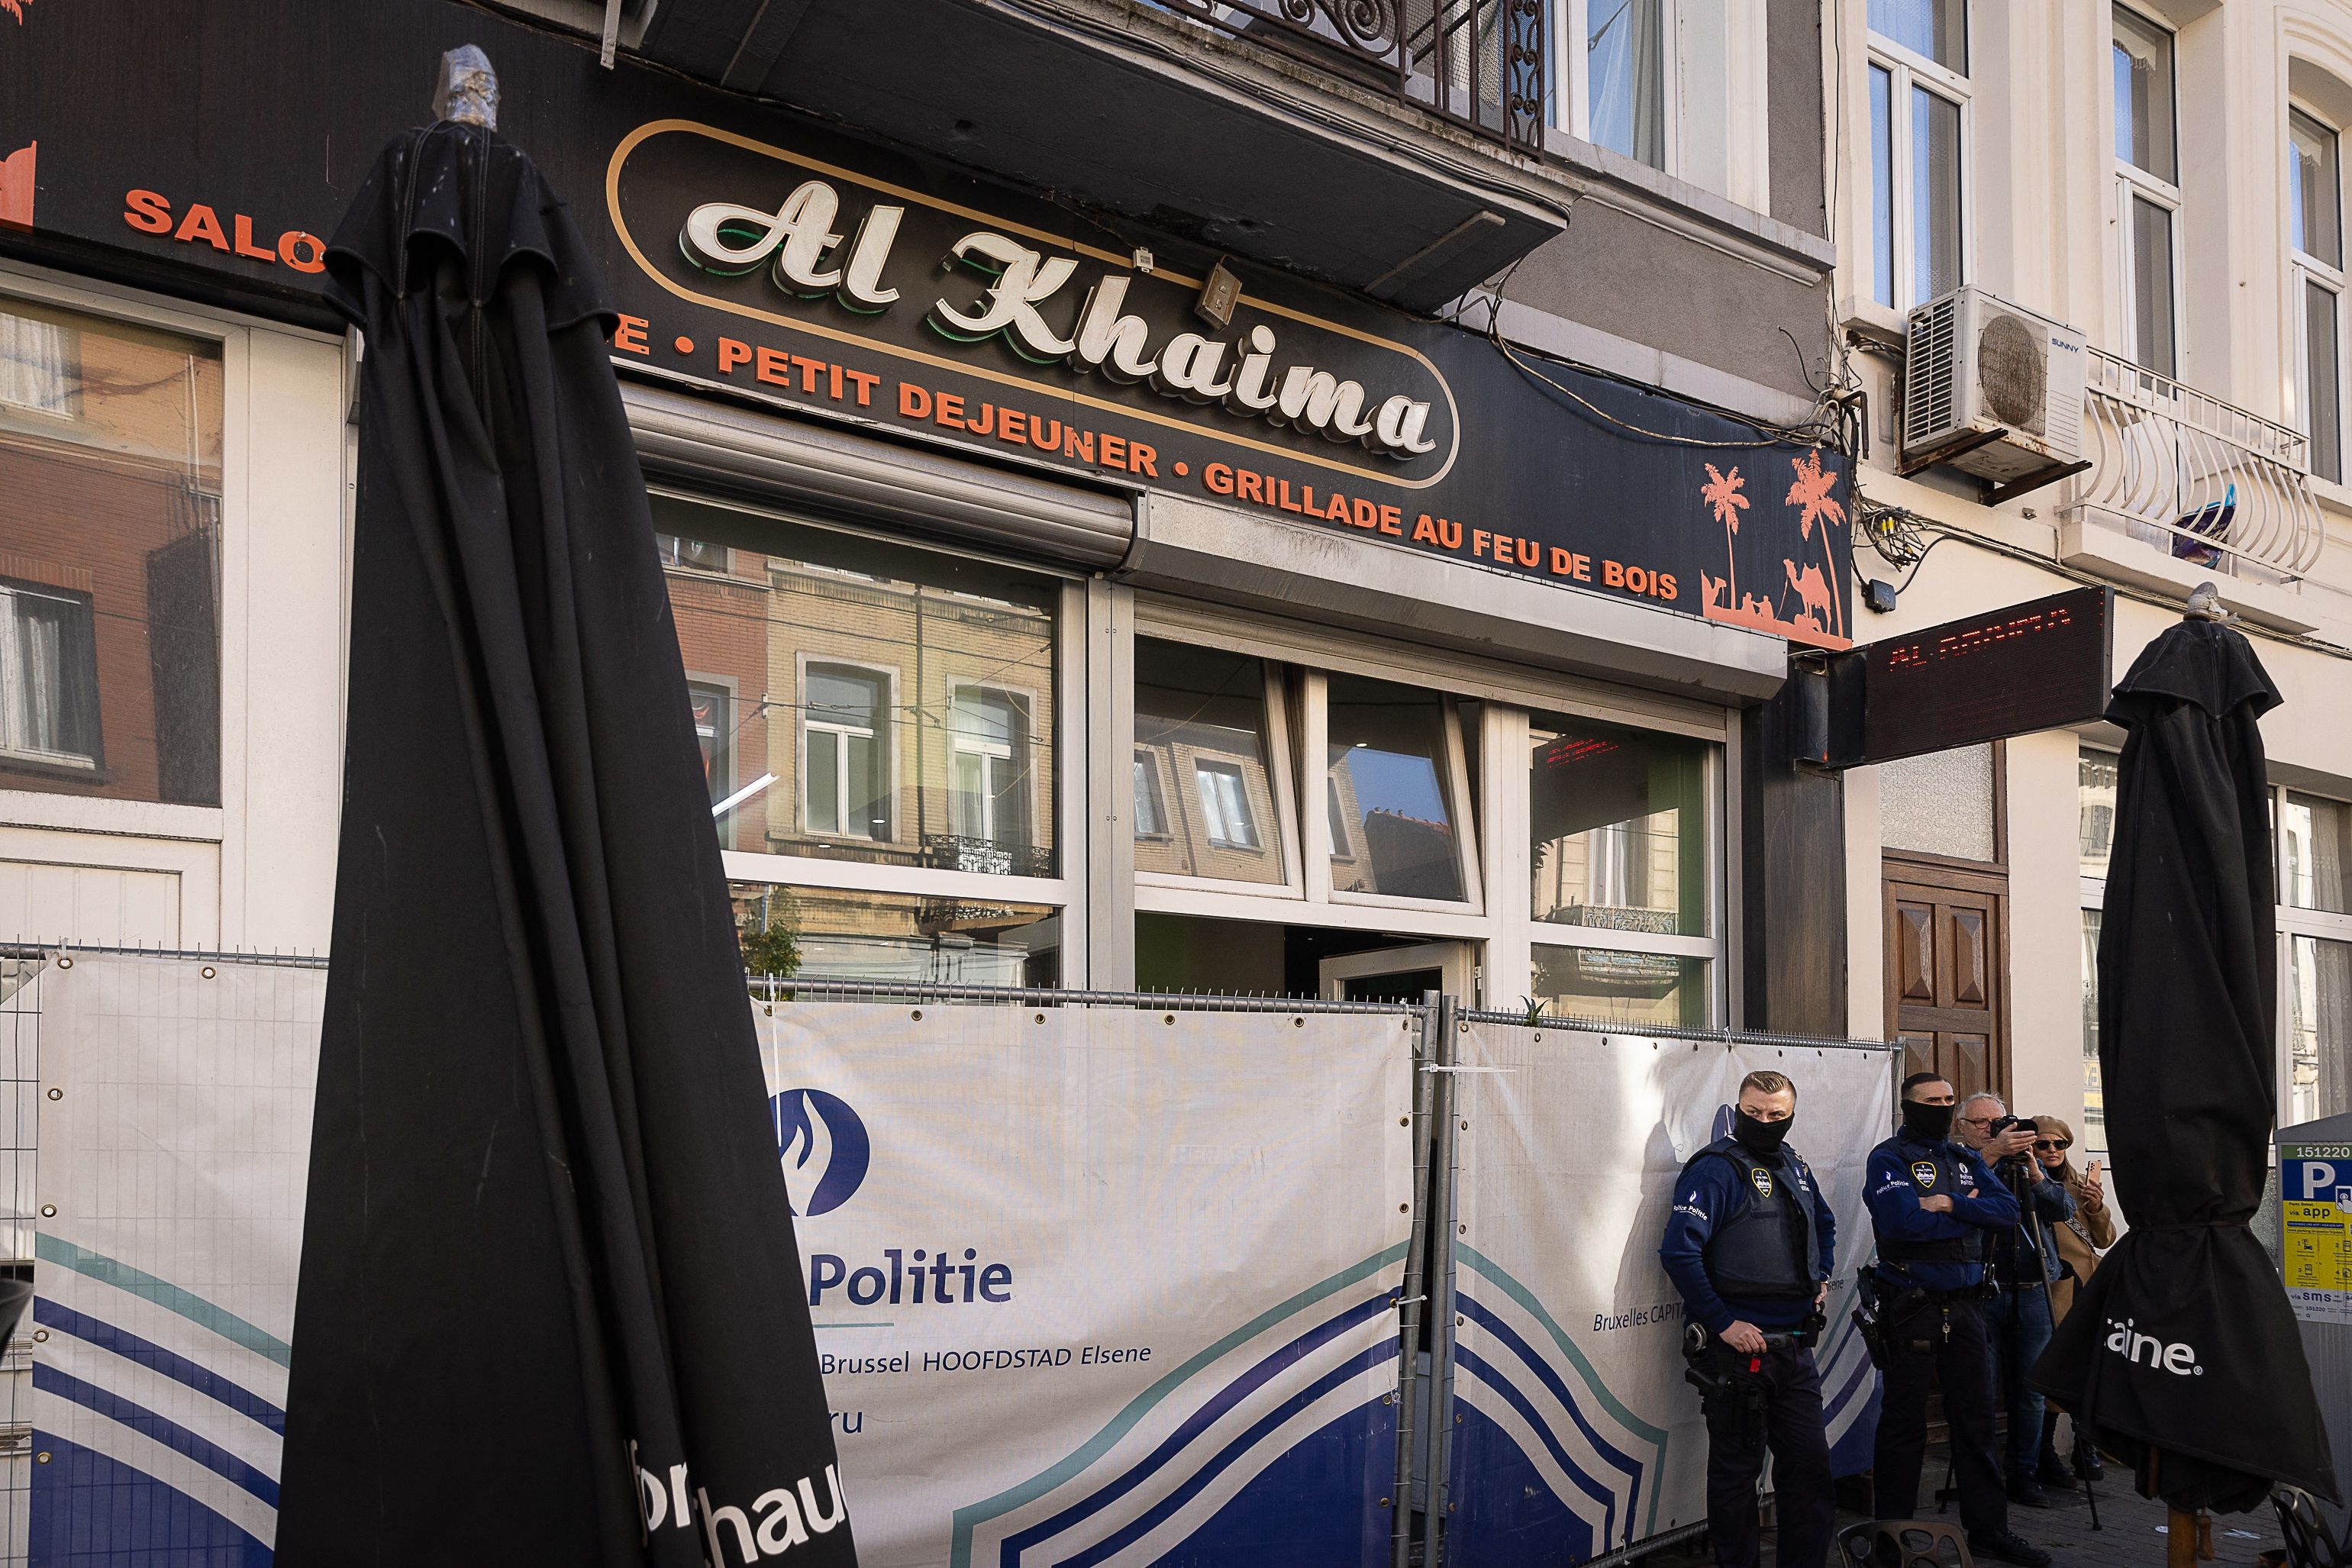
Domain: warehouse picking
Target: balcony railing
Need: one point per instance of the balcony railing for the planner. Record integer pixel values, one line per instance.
(2215, 486)
(1479, 63)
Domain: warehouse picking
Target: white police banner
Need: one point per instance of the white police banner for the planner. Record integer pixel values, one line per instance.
(1098, 1285)
(174, 1145)
(1576, 1434)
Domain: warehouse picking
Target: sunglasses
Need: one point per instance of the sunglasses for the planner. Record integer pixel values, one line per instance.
(2057, 1143)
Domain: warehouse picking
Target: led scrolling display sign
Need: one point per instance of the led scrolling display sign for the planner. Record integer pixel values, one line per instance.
(2043, 665)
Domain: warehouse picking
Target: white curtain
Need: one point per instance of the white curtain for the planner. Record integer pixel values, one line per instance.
(40, 365)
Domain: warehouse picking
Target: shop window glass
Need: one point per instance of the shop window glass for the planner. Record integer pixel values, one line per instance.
(900, 701)
(1151, 803)
(2095, 775)
(823, 934)
(2316, 839)
(1617, 827)
(714, 733)
(1654, 989)
(2319, 1028)
(1390, 765)
(110, 558)
(1934, 29)
(1199, 716)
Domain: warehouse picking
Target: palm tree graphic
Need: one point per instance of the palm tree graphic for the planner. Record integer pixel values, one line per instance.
(1811, 494)
(1721, 493)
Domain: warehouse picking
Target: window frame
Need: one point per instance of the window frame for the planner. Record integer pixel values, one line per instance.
(74, 765)
(2132, 181)
(729, 694)
(1908, 71)
(1502, 929)
(1572, 61)
(1281, 784)
(2305, 271)
(1147, 762)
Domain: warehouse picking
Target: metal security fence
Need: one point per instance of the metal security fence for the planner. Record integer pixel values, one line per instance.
(1238, 1210)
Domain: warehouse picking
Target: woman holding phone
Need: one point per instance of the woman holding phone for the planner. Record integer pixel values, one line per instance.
(2081, 1239)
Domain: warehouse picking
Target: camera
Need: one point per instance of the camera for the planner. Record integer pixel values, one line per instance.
(2002, 1124)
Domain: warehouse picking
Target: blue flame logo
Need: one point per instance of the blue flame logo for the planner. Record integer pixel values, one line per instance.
(824, 1148)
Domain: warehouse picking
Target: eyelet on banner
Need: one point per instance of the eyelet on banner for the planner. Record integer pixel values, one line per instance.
(48, 1211)
(1041, 1017)
(56, 1094)
(918, 1014)
(62, 964)
(209, 971)
(1171, 1017)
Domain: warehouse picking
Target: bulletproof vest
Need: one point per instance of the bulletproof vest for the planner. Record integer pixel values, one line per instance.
(1768, 1246)
(1933, 1169)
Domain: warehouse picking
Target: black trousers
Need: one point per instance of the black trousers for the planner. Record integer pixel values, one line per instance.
(1805, 1497)
(1921, 1353)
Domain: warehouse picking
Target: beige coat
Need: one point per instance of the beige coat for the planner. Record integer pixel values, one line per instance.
(2081, 1239)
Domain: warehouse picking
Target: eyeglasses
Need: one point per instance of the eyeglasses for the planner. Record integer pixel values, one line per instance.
(1976, 1120)
(2060, 1145)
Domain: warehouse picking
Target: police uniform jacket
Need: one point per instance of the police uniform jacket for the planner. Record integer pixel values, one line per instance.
(1917, 1246)
(1748, 1238)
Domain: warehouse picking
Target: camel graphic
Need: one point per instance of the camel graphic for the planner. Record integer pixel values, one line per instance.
(1814, 590)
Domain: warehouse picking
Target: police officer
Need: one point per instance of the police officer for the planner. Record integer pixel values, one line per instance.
(1749, 1244)
(1935, 1205)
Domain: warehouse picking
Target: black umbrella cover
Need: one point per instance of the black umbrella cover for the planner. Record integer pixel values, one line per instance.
(551, 1307)
(2182, 1346)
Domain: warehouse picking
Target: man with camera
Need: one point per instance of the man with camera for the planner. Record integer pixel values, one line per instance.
(1749, 1244)
(2024, 1260)
(1936, 1207)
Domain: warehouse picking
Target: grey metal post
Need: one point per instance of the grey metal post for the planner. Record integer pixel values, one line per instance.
(1416, 1275)
(1443, 1176)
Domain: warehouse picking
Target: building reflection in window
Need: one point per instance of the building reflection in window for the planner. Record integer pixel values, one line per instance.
(110, 558)
(1656, 989)
(1617, 827)
(900, 702)
(2319, 1028)
(1391, 761)
(1204, 798)
(824, 934)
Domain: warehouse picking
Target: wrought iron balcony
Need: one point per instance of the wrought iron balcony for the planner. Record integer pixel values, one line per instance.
(1479, 63)
(2216, 487)
(952, 852)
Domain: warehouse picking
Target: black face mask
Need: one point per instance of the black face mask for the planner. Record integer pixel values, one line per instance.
(1759, 1138)
(1928, 1123)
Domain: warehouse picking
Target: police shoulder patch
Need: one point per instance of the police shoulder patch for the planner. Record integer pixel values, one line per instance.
(1924, 1173)
(1763, 1180)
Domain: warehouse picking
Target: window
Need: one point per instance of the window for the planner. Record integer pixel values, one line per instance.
(1225, 806)
(1619, 830)
(846, 792)
(40, 366)
(2314, 836)
(988, 730)
(1661, 83)
(1150, 805)
(49, 676)
(1626, 77)
(833, 933)
(890, 704)
(2315, 247)
(2147, 190)
(713, 708)
(1919, 95)
(1941, 803)
(1394, 757)
(1206, 715)
(696, 553)
(2319, 1028)
(2095, 793)
(111, 472)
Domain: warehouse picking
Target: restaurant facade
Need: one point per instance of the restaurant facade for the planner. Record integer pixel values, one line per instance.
(1364, 591)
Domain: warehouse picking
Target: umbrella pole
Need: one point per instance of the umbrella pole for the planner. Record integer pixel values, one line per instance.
(2180, 1539)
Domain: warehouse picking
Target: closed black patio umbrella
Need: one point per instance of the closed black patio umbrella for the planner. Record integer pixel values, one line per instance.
(2180, 1355)
(551, 1309)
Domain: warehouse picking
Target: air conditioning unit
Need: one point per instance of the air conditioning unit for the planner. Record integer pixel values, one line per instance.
(1993, 390)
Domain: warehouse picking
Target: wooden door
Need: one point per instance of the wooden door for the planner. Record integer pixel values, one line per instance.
(1947, 974)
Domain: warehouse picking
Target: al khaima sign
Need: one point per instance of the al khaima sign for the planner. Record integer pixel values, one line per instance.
(799, 265)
